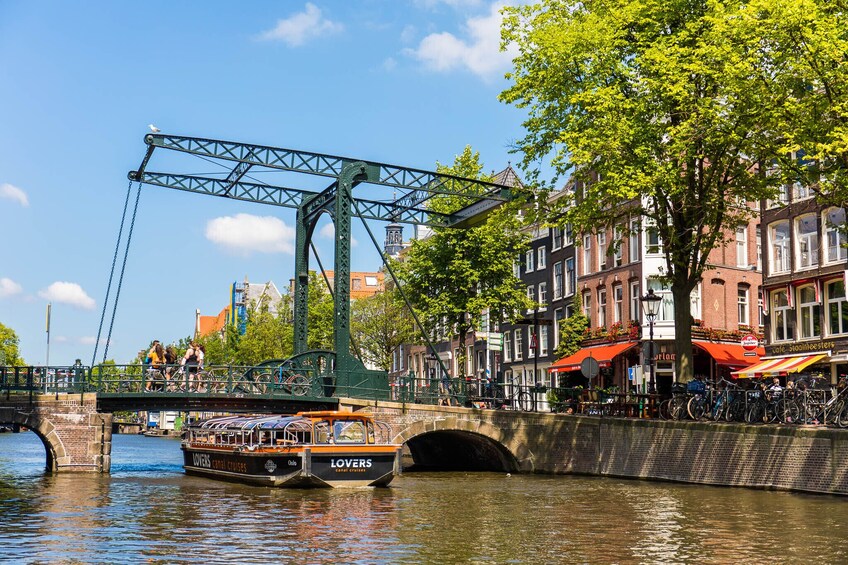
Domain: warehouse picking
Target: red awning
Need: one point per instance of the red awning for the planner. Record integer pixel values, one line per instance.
(603, 354)
(730, 354)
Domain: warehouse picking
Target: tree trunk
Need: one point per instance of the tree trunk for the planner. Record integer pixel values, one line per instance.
(684, 369)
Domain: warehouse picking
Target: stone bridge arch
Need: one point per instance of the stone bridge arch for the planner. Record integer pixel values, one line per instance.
(44, 429)
(453, 443)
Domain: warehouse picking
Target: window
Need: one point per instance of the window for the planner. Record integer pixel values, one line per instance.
(516, 269)
(568, 236)
(666, 313)
(370, 281)
(695, 302)
(781, 319)
(633, 241)
(837, 308)
(759, 250)
(810, 312)
(531, 296)
(587, 307)
(602, 307)
(833, 224)
(742, 304)
(528, 261)
(507, 345)
(618, 306)
(557, 280)
(556, 239)
(808, 241)
(635, 302)
(616, 253)
(742, 248)
(761, 314)
(654, 243)
(543, 341)
(541, 258)
(543, 296)
(519, 344)
(570, 277)
(779, 244)
(558, 316)
(587, 254)
(602, 251)
(531, 347)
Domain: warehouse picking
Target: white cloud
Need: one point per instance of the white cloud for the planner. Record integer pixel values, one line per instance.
(67, 293)
(8, 287)
(329, 232)
(90, 339)
(245, 233)
(14, 193)
(60, 339)
(389, 64)
(302, 26)
(480, 53)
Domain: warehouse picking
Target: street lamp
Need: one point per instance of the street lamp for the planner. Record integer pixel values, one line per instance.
(651, 307)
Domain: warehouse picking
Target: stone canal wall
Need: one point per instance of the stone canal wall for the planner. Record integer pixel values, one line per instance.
(75, 436)
(805, 459)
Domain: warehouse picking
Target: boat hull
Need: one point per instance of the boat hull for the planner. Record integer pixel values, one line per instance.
(297, 468)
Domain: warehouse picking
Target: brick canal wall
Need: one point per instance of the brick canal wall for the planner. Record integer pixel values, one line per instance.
(75, 436)
(805, 459)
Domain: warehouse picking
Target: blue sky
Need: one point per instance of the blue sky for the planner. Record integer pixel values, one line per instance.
(407, 83)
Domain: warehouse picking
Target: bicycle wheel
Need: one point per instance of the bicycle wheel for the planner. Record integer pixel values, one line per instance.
(664, 409)
(718, 409)
(677, 409)
(300, 385)
(755, 413)
(842, 417)
(524, 401)
(697, 406)
(788, 411)
(262, 383)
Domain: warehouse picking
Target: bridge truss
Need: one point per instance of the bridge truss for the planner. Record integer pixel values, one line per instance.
(412, 192)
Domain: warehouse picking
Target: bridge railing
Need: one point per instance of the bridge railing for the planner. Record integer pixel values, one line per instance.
(53, 379)
(468, 392)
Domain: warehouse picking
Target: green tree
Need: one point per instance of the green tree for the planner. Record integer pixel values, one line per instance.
(664, 110)
(268, 334)
(321, 314)
(9, 353)
(380, 324)
(572, 330)
(455, 275)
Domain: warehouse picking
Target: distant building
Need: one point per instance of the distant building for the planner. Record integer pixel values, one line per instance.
(242, 295)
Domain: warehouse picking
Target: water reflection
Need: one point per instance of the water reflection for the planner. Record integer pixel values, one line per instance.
(148, 510)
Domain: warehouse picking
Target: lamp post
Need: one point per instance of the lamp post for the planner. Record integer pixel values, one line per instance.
(651, 307)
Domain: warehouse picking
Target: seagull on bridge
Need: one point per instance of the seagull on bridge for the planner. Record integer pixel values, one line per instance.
(153, 128)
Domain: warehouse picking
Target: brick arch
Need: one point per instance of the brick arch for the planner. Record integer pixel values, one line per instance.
(520, 456)
(44, 429)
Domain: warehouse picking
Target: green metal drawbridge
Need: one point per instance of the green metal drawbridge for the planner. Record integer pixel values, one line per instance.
(342, 373)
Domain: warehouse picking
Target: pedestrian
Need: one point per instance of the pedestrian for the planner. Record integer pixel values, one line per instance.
(170, 362)
(190, 363)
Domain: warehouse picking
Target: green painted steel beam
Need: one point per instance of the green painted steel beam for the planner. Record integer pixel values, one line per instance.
(288, 197)
(421, 185)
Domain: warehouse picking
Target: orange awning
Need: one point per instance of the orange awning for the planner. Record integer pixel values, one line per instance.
(603, 354)
(730, 354)
(781, 366)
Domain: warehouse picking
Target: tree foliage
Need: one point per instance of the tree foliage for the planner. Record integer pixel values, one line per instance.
(572, 330)
(9, 352)
(380, 324)
(455, 275)
(667, 110)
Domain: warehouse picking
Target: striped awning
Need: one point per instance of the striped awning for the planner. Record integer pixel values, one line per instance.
(782, 366)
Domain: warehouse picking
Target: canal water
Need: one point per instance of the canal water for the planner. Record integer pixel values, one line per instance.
(148, 511)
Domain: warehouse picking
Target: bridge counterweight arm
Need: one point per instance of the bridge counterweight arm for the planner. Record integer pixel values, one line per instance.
(424, 184)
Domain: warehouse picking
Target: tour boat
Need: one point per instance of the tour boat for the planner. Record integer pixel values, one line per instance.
(309, 449)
